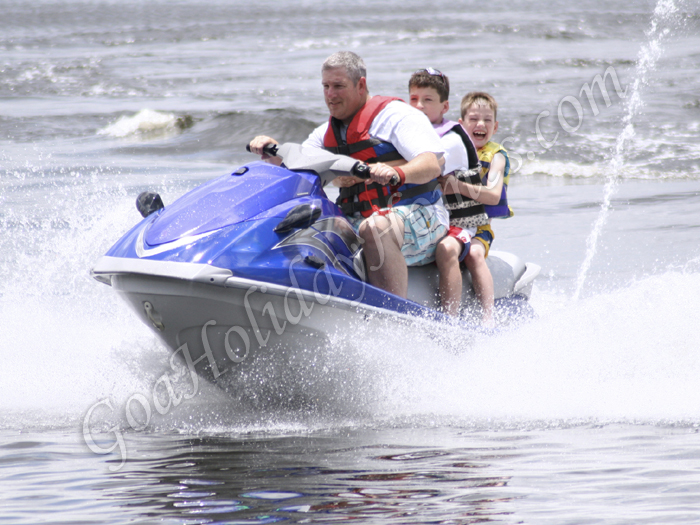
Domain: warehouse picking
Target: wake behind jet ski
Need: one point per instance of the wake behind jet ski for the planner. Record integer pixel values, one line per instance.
(261, 263)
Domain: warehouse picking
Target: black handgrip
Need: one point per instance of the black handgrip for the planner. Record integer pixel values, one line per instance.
(270, 149)
(360, 169)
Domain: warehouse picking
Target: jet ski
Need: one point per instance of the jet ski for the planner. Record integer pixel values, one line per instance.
(261, 263)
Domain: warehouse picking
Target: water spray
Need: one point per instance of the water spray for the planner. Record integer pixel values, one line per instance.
(666, 13)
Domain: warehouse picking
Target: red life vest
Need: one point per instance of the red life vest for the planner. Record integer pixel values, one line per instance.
(359, 145)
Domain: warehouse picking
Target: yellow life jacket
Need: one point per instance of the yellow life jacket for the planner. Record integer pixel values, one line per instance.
(486, 153)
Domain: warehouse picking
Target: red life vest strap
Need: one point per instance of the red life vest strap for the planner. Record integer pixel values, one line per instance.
(373, 197)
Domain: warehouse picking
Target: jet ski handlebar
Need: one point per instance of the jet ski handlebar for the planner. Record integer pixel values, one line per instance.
(269, 149)
(296, 157)
(325, 164)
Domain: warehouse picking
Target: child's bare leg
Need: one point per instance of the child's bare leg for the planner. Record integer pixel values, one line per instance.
(481, 279)
(447, 259)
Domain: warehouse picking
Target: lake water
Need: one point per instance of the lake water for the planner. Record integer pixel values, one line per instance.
(587, 414)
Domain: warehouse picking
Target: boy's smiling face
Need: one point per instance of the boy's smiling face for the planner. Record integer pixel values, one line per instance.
(427, 100)
(480, 124)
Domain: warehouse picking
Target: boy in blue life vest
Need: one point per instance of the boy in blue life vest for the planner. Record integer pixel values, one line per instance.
(470, 197)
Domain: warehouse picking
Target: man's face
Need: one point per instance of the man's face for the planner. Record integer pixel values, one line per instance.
(343, 98)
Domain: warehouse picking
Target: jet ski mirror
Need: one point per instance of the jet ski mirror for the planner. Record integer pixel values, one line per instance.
(148, 202)
(301, 216)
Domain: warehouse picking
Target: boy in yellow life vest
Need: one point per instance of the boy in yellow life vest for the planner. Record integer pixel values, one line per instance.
(484, 193)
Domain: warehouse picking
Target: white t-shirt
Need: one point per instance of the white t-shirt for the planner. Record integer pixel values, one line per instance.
(405, 127)
(455, 153)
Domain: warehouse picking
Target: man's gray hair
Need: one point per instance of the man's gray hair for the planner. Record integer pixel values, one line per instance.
(353, 64)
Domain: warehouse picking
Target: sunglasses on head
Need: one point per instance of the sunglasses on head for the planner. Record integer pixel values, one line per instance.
(432, 72)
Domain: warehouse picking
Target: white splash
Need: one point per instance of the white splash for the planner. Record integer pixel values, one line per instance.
(626, 355)
(665, 15)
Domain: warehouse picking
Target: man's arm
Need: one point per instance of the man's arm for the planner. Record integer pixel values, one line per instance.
(419, 170)
(413, 136)
(423, 168)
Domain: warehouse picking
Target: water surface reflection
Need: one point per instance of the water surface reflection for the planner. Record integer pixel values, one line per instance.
(361, 476)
